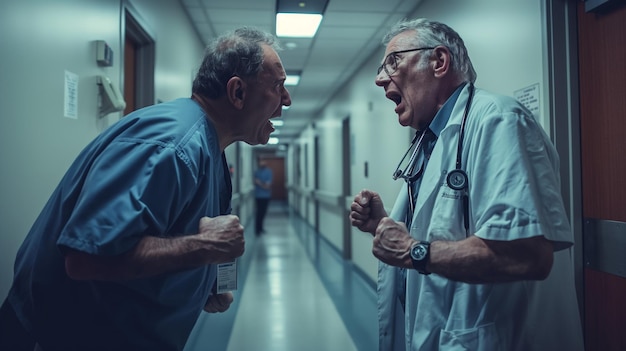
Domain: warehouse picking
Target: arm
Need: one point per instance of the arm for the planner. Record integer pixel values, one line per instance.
(220, 239)
(262, 184)
(472, 260)
(476, 260)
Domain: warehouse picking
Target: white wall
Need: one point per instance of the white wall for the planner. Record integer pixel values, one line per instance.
(179, 52)
(40, 40)
(504, 39)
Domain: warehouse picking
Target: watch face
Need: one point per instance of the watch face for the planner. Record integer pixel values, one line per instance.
(418, 252)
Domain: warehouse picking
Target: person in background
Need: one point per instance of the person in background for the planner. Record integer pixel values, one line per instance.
(262, 193)
(476, 253)
(123, 255)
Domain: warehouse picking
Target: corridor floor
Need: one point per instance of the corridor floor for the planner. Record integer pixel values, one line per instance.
(295, 293)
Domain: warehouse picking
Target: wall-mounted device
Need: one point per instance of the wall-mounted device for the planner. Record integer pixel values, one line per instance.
(111, 97)
(104, 54)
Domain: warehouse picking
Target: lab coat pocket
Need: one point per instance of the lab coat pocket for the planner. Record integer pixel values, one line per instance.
(484, 338)
(446, 220)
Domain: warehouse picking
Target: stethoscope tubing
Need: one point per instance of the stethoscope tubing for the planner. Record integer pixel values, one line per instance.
(457, 172)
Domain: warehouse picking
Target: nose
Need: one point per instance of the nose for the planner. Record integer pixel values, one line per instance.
(382, 78)
(286, 98)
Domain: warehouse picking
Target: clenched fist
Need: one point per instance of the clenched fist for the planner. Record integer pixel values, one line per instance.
(222, 238)
(366, 211)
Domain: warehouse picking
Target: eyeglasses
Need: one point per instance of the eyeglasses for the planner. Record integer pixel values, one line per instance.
(390, 65)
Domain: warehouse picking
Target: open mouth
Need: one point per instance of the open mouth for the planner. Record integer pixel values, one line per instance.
(395, 97)
(271, 125)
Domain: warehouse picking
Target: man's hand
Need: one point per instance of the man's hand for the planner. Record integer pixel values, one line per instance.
(223, 238)
(366, 211)
(219, 303)
(392, 243)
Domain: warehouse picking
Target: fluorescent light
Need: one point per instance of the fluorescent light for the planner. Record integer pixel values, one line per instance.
(301, 25)
(292, 79)
(273, 141)
(277, 122)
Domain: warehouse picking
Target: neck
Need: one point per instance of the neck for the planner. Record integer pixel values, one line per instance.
(215, 114)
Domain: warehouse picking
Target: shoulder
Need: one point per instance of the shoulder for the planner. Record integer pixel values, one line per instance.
(491, 111)
(169, 122)
(497, 104)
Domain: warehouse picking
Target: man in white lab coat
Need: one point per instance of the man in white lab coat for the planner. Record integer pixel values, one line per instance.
(486, 262)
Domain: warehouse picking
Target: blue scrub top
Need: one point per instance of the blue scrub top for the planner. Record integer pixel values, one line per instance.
(155, 172)
(264, 174)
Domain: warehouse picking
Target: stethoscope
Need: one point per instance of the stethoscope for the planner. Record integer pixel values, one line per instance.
(456, 179)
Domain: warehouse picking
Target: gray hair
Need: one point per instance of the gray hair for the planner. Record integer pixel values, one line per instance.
(235, 53)
(430, 34)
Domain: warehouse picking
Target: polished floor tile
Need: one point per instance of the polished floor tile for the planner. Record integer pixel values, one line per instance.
(284, 305)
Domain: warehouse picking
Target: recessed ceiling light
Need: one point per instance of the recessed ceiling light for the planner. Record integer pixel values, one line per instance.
(292, 79)
(300, 25)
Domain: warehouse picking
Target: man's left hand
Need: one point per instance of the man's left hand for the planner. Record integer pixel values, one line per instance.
(219, 303)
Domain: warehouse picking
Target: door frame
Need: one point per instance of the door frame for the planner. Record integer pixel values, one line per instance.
(561, 46)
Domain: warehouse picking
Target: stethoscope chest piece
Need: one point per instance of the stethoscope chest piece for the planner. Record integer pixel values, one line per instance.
(457, 179)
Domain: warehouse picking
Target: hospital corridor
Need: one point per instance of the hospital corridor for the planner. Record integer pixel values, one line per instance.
(295, 293)
(440, 174)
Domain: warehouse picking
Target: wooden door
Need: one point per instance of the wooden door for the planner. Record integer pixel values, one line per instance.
(129, 74)
(602, 69)
(279, 188)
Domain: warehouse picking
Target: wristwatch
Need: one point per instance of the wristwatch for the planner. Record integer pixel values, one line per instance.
(419, 255)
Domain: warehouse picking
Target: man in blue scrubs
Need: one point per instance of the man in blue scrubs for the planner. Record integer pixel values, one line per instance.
(476, 253)
(262, 194)
(123, 255)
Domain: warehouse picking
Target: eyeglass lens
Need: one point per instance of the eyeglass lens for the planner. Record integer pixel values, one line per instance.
(390, 64)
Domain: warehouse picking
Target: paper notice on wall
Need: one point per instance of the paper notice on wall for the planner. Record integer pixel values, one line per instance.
(70, 106)
(529, 97)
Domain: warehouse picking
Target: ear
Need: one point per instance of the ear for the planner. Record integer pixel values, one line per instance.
(236, 92)
(441, 61)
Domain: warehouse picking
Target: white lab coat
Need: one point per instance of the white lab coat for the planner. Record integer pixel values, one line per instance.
(514, 193)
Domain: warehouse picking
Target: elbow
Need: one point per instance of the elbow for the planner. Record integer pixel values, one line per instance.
(538, 260)
(75, 267)
(542, 267)
(83, 266)
(540, 263)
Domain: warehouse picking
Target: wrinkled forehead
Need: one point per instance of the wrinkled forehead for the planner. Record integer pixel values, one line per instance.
(272, 65)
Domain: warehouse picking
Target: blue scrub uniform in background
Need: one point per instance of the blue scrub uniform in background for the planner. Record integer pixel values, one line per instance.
(155, 172)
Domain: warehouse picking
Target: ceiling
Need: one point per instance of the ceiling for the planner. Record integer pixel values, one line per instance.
(350, 32)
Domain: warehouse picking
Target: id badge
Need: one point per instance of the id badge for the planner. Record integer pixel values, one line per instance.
(226, 277)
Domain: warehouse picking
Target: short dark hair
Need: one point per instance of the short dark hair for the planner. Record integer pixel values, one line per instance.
(235, 53)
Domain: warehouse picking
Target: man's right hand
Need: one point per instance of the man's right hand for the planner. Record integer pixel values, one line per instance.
(366, 211)
(223, 238)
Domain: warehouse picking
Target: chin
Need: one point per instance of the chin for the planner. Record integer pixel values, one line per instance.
(404, 122)
(261, 140)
